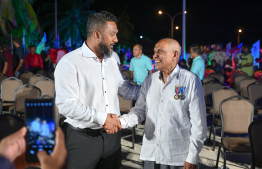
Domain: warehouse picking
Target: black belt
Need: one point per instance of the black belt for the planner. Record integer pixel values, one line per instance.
(87, 131)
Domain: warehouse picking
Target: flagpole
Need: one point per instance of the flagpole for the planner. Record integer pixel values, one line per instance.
(184, 30)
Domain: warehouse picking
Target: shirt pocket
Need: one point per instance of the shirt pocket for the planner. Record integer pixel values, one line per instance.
(176, 108)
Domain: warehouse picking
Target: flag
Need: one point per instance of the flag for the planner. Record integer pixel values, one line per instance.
(227, 49)
(68, 42)
(255, 52)
(239, 46)
(41, 45)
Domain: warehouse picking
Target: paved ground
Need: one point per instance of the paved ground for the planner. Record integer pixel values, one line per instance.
(130, 156)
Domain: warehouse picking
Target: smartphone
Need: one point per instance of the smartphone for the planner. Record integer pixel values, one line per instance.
(40, 123)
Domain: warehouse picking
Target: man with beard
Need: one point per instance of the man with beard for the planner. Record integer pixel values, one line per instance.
(87, 82)
(247, 62)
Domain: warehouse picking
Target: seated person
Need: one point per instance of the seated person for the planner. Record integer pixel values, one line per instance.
(216, 67)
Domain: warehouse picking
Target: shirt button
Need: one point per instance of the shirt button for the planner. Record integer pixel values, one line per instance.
(157, 144)
(162, 101)
(106, 105)
(105, 91)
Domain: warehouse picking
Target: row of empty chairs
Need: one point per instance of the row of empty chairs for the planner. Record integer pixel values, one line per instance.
(233, 110)
(13, 90)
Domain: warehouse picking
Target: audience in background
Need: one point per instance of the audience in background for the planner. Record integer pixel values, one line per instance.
(219, 56)
(140, 65)
(18, 57)
(247, 62)
(216, 67)
(9, 58)
(33, 61)
(198, 64)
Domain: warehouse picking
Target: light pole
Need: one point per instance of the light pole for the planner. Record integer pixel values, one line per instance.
(238, 36)
(172, 21)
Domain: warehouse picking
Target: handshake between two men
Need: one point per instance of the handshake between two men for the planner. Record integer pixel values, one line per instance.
(112, 124)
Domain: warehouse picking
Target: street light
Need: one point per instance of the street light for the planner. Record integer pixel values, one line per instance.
(177, 27)
(238, 36)
(172, 20)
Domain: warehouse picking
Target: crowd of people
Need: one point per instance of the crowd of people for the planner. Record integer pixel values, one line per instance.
(20, 61)
(88, 82)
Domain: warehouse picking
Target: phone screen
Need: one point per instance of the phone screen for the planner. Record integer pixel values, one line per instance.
(40, 125)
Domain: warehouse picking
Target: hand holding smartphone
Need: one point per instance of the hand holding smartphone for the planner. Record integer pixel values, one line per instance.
(40, 125)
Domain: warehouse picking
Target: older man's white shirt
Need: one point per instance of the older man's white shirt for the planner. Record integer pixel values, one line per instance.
(175, 130)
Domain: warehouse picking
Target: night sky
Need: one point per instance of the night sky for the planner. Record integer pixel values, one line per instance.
(207, 21)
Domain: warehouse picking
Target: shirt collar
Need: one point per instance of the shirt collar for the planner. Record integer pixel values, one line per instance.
(172, 75)
(197, 58)
(87, 52)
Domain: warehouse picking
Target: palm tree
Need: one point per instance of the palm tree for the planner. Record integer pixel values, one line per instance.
(126, 36)
(72, 17)
(16, 16)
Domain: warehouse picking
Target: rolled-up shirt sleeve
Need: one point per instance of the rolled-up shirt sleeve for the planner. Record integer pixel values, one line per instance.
(197, 112)
(67, 96)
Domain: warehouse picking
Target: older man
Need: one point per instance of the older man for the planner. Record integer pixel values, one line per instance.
(172, 104)
(87, 83)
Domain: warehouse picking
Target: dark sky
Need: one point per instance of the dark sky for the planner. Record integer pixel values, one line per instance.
(207, 21)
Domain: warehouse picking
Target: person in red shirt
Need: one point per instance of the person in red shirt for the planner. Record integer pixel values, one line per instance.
(9, 58)
(33, 61)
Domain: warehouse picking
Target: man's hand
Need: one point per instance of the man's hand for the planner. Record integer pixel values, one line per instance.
(13, 145)
(57, 159)
(112, 124)
(189, 166)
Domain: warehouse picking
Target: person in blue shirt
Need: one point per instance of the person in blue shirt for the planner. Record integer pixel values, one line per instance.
(45, 131)
(198, 65)
(140, 65)
(36, 125)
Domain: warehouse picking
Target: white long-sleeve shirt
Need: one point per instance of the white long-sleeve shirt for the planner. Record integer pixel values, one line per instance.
(87, 89)
(174, 130)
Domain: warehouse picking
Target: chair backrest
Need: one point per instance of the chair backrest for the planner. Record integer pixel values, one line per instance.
(25, 76)
(208, 79)
(46, 85)
(254, 91)
(124, 105)
(219, 77)
(208, 88)
(255, 138)
(34, 78)
(236, 115)
(42, 72)
(24, 92)
(244, 83)
(8, 87)
(221, 94)
(237, 79)
(9, 124)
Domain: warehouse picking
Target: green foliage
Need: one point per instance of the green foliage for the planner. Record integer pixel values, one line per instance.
(16, 16)
(71, 16)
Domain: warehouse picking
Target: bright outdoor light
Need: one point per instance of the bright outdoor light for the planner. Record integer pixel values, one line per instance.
(177, 27)
(240, 30)
(185, 12)
(141, 37)
(160, 12)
